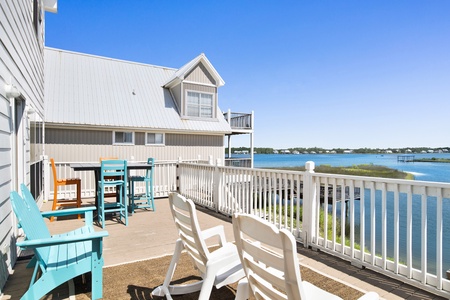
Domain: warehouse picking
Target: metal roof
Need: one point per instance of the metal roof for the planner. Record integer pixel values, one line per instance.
(87, 90)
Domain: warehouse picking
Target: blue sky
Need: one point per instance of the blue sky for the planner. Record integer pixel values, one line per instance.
(330, 74)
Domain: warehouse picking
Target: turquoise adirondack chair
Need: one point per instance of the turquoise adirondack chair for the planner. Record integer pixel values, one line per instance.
(59, 257)
(145, 200)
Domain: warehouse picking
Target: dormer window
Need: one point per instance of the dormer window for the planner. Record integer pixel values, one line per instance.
(199, 104)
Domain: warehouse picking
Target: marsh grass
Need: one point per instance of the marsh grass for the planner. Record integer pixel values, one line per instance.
(369, 170)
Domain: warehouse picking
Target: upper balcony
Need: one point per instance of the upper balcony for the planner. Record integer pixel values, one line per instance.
(241, 123)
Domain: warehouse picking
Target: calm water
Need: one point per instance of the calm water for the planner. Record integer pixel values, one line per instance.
(422, 171)
(439, 172)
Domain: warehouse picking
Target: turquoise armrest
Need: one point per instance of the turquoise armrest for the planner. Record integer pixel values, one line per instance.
(68, 211)
(62, 240)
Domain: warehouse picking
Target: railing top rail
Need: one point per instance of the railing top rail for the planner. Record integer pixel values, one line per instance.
(385, 180)
(340, 176)
(238, 113)
(158, 162)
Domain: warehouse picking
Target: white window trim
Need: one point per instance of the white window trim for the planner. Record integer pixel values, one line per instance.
(121, 143)
(161, 144)
(214, 105)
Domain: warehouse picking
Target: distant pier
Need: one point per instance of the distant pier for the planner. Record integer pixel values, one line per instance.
(405, 158)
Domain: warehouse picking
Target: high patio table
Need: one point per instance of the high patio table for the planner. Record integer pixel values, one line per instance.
(96, 166)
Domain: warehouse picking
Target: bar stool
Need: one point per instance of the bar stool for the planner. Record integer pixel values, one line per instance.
(113, 173)
(145, 200)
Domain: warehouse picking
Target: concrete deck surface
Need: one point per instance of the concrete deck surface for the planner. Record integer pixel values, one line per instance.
(152, 234)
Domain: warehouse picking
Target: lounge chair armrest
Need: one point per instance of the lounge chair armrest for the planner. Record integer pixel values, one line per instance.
(68, 211)
(215, 231)
(37, 243)
(87, 211)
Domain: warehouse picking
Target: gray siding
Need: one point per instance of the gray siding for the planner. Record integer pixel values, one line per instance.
(67, 145)
(100, 137)
(194, 140)
(176, 92)
(88, 153)
(21, 64)
(201, 75)
(77, 137)
(198, 87)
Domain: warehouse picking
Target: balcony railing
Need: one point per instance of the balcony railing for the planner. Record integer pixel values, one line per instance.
(238, 162)
(239, 120)
(400, 228)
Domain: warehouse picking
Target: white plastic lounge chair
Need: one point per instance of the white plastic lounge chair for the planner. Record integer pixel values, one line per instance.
(218, 268)
(269, 258)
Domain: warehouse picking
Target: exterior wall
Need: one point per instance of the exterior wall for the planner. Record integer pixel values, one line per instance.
(200, 88)
(69, 145)
(21, 64)
(176, 93)
(201, 75)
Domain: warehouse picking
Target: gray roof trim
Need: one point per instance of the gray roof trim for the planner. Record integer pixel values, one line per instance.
(123, 128)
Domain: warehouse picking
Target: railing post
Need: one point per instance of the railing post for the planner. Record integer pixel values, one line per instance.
(178, 174)
(217, 185)
(309, 205)
(46, 175)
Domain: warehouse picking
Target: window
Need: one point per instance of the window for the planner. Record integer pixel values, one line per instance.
(199, 105)
(123, 138)
(154, 138)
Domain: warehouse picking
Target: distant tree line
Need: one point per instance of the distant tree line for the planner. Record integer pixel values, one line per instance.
(267, 150)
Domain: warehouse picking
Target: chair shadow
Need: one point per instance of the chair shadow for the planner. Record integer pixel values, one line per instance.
(145, 293)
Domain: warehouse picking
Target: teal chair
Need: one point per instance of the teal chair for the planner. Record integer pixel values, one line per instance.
(61, 257)
(113, 174)
(143, 200)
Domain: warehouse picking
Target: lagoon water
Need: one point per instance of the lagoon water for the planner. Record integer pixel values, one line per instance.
(438, 172)
(422, 171)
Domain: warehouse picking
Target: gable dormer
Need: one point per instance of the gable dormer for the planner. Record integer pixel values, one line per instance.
(194, 88)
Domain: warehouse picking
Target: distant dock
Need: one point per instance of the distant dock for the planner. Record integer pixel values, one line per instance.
(405, 158)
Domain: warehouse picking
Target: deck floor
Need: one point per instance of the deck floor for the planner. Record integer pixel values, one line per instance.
(152, 234)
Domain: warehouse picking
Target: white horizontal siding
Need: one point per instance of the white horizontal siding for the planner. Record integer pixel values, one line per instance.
(21, 64)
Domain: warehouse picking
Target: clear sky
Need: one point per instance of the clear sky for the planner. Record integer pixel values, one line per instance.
(330, 74)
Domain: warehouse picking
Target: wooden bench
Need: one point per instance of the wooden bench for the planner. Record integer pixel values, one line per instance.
(61, 257)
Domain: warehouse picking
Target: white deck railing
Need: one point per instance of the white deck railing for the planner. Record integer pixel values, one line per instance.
(402, 225)
(164, 180)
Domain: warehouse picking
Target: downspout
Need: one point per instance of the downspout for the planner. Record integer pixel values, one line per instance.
(11, 92)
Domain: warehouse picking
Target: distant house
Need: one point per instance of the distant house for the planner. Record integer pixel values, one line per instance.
(98, 106)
